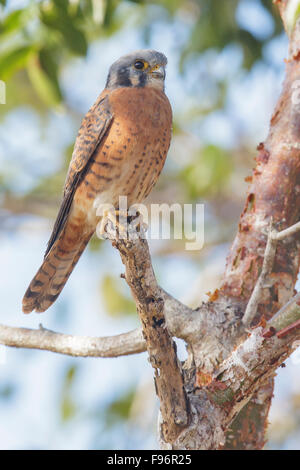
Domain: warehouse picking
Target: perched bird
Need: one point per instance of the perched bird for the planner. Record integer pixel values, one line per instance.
(120, 150)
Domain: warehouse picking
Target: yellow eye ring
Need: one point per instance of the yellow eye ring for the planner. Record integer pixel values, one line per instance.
(141, 65)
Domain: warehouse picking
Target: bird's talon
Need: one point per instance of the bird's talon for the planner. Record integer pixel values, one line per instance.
(112, 225)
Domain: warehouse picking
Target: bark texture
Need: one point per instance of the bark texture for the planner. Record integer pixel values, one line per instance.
(160, 345)
(220, 397)
(274, 194)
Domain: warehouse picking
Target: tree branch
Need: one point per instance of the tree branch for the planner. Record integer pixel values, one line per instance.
(150, 301)
(267, 266)
(215, 405)
(288, 232)
(270, 251)
(273, 193)
(84, 346)
(226, 368)
(255, 415)
(287, 315)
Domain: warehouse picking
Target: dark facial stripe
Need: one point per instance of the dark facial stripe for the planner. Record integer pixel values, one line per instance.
(123, 77)
(142, 80)
(119, 78)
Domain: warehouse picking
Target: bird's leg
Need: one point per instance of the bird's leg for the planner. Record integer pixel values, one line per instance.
(136, 227)
(101, 227)
(119, 224)
(113, 224)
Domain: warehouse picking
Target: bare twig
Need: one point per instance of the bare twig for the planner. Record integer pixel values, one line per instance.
(273, 192)
(84, 346)
(248, 368)
(267, 266)
(241, 374)
(181, 320)
(288, 314)
(234, 371)
(287, 232)
(269, 256)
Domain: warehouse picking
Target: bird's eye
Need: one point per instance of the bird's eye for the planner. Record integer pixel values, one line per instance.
(139, 64)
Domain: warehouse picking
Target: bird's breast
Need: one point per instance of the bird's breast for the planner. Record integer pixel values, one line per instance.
(131, 156)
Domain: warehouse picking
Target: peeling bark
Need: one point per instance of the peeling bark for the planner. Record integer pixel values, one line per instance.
(220, 397)
(274, 193)
(247, 431)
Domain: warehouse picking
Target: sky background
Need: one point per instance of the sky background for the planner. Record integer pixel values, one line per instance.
(48, 401)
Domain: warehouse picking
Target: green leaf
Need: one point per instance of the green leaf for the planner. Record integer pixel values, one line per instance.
(209, 172)
(13, 60)
(252, 47)
(68, 409)
(58, 19)
(119, 409)
(48, 61)
(70, 376)
(95, 243)
(109, 12)
(61, 4)
(14, 21)
(116, 303)
(7, 391)
(216, 27)
(44, 79)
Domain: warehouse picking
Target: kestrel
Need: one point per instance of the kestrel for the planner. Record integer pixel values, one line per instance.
(120, 150)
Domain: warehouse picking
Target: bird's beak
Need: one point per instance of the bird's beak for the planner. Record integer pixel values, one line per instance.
(158, 71)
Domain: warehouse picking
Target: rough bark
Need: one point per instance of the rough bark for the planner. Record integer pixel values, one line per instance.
(274, 193)
(247, 431)
(161, 348)
(220, 397)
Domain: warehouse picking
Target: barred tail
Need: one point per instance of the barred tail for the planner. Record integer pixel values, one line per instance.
(50, 279)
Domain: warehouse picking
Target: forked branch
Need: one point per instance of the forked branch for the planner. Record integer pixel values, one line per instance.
(161, 348)
(269, 256)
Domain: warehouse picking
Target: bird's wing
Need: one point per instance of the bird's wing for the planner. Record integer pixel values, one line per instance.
(94, 126)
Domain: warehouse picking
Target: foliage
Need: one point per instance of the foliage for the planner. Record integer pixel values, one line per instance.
(40, 39)
(7, 391)
(119, 409)
(68, 407)
(116, 303)
(42, 35)
(208, 172)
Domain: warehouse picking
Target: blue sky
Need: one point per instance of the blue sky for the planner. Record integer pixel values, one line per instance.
(30, 419)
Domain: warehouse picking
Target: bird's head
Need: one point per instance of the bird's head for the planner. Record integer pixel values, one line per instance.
(138, 69)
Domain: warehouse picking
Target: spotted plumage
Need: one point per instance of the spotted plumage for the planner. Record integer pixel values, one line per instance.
(120, 150)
